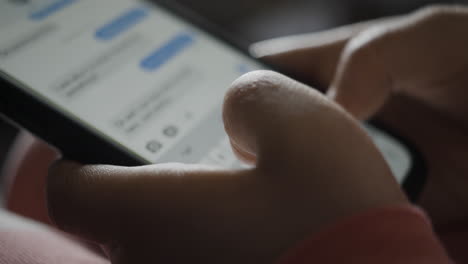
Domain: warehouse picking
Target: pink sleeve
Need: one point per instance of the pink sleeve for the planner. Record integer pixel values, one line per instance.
(387, 235)
(23, 241)
(41, 247)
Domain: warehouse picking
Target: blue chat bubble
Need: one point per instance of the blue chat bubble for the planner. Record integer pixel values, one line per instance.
(50, 9)
(121, 24)
(167, 51)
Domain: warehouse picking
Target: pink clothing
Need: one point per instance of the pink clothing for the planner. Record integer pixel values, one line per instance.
(386, 235)
(43, 247)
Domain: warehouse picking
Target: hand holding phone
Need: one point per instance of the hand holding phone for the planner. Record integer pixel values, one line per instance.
(140, 176)
(314, 165)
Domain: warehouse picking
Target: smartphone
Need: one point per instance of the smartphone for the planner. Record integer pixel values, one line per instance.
(130, 82)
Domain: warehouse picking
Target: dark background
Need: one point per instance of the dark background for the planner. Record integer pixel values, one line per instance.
(254, 20)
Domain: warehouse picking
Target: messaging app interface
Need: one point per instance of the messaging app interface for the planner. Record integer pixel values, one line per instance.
(133, 72)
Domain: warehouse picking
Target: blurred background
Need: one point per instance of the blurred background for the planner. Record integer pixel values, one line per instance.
(254, 20)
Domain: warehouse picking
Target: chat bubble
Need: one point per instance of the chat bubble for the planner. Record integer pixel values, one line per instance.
(164, 53)
(51, 9)
(121, 24)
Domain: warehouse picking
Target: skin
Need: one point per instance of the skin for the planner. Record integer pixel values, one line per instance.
(180, 213)
(411, 73)
(313, 163)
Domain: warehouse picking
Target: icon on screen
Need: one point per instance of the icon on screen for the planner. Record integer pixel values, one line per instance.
(170, 131)
(154, 146)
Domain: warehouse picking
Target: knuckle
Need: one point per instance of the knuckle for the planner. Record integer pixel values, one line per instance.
(363, 47)
(438, 9)
(437, 12)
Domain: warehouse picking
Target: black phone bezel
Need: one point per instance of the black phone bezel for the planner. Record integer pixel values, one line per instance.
(82, 144)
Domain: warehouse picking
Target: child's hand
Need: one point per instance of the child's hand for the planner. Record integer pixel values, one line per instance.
(314, 165)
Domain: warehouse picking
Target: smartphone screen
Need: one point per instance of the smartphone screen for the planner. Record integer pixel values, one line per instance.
(145, 79)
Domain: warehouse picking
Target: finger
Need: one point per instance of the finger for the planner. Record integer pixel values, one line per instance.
(267, 115)
(109, 204)
(292, 128)
(362, 82)
(301, 141)
(312, 56)
(77, 202)
(404, 56)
